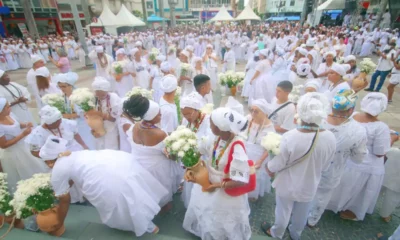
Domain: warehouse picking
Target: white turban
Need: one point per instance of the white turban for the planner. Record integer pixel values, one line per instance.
(120, 51)
(184, 52)
(70, 78)
(280, 51)
(134, 51)
(52, 148)
(263, 105)
(99, 49)
(138, 44)
(330, 53)
(303, 69)
(168, 83)
(313, 108)
(152, 112)
(310, 43)
(257, 53)
(227, 119)
(264, 52)
(303, 51)
(314, 83)
(1, 73)
(197, 59)
(165, 67)
(374, 103)
(36, 58)
(101, 84)
(339, 69)
(209, 46)
(349, 58)
(193, 100)
(346, 67)
(160, 58)
(49, 114)
(228, 45)
(189, 48)
(42, 71)
(3, 102)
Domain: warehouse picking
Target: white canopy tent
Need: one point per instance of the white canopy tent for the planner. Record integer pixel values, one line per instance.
(248, 14)
(328, 5)
(222, 15)
(128, 18)
(108, 20)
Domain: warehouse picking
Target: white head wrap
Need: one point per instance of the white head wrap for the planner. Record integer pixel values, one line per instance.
(228, 45)
(349, 58)
(313, 83)
(120, 51)
(263, 105)
(160, 58)
(303, 51)
(374, 103)
(313, 108)
(346, 67)
(70, 78)
(280, 51)
(197, 59)
(138, 44)
(339, 69)
(330, 53)
(257, 53)
(193, 100)
(264, 52)
(3, 102)
(303, 69)
(189, 48)
(209, 46)
(165, 67)
(168, 83)
(152, 112)
(42, 71)
(36, 58)
(310, 43)
(49, 114)
(227, 119)
(99, 49)
(186, 53)
(101, 84)
(52, 148)
(1, 73)
(134, 51)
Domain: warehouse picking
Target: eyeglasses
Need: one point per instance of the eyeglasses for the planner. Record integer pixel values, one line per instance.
(253, 111)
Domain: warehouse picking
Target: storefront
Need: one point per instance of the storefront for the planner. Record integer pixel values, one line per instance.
(67, 21)
(394, 8)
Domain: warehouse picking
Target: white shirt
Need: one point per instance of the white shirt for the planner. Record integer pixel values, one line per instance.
(285, 116)
(386, 64)
(300, 182)
(169, 116)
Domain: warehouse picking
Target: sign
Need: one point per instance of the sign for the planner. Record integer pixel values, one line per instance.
(23, 29)
(68, 15)
(96, 30)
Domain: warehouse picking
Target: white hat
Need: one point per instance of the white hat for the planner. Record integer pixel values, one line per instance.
(346, 67)
(227, 119)
(303, 69)
(1, 73)
(313, 108)
(184, 52)
(160, 58)
(52, 148)
(189, 48)
(339, 69)
(70, 78)
(49, 114)
(99, 49)
(330, 53)
(193, 100)
(313, 83)
(101, 84)
(349, 58)
(264, 52)
(138, 44)
(35, 58)
(280, 51)
(197, 59)
(302, 51)
(152, 112)
(228, 44)
(310, 43)
(263, 105)
(120, 51)
(168, 83)
(42, 71)
(374, 103)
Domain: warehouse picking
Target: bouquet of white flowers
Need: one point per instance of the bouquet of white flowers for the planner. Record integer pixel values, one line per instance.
(367, 66)
(171, 49)
(186, 70)
(55, 100)
(182, 143)
(84, 98)
(5, 197)
(222, 79)
(33, 195)
(294, 96)
(140, 91)
(231, 79)
(118, 68)
(207, 109)
(153, 54)
(272, 143)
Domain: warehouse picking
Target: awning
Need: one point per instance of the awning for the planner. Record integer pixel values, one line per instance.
(154, 18)
(222, 15)
(4, 10)
(284, 18)
(248, 14)
(332, 5)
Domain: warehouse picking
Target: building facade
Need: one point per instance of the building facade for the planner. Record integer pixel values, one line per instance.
(284, 7)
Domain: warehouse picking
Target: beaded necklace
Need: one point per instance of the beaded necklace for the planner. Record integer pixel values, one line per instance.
(215, 160)
(147, 125)
(58, 129)
(197, 123)
(338, 116)
(14, 96)
(258, 130)
(99, 107)
(69, 107)
(309, 128)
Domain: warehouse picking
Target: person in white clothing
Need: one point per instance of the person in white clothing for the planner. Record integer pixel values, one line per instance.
(121, 70)
(44, 83)
(262, 68)
(394, 79)
(335, 77)
(17, 96)
(108, 104)
(99, 175)
(37, 62)
(169, 112)
(283, 111)
(103, 63)
(304, 155)
(139, 69)
(351, 140)
(229, 58)
(386, 17)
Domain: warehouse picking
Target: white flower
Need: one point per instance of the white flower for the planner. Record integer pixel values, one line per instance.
(208, 108)
(140, 91)
(181, 154)
(83, 97)
(271, 142)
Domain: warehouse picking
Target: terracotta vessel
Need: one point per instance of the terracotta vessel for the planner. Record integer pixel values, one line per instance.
(47, 221)
(198, 174)
(95, 121)
(233, 91)
(118, 77)
(18, 223)
(359, 81)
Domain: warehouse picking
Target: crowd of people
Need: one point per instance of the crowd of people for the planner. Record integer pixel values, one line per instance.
(301, 86)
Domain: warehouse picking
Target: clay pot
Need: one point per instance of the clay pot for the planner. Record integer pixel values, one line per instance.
(198, 174)
(359, 81)
(18, 223)
(118, 77)
(95, 121)
(233, 91)
(48, 221)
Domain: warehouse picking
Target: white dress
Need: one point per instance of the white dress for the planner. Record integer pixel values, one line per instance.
(12, 63)
(157, 75)
(169, 116)
(142, 78)
(257, 88)
(277, 74)
(13, 91)
(125, 84)
(217, 215)
(44, 49)
(251, 70)
(360, 185)
(168, 172)
(24, 58)
(17, 160)
(254, 151)
(212, 68)
(125, 195)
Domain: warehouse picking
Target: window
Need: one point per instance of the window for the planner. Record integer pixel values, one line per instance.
(79, 7)
(64, 7)
(149, 5)
(292, 2)
(36, 3)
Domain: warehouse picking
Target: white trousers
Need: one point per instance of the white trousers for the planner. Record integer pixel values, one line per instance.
(321, 200)
(396, 234)
(286, 210)
(391, 200)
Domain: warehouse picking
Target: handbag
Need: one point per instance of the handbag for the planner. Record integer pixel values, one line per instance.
(248, 187)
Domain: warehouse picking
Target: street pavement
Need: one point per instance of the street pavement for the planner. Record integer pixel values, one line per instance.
(83, 222)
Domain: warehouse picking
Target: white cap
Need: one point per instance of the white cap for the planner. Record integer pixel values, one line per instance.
(35, 58)
(101, 84)
(339, 69)
(52, 148)
(168, 83)
(42, 71)
(165, 67)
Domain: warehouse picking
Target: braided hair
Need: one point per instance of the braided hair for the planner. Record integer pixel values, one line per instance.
(136, 106)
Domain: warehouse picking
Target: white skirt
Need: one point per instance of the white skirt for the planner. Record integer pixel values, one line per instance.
(247, 86)
(263, 185)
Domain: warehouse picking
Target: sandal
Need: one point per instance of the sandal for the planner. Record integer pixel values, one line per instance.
(387, 219)
(348, 215)
(156, 230)
(266, 228)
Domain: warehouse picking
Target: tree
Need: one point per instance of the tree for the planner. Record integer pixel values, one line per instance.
(255, 10)
(137, 13)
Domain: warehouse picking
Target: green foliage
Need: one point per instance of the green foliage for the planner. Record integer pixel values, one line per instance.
(137, 13)
(178, 108)
(41, 201)
(191, 158)
(85, 106)
(5, 204)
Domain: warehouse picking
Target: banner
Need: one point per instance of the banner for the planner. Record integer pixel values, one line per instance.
(23, 29)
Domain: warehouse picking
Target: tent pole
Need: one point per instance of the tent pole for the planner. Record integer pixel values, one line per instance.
(79, 29)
